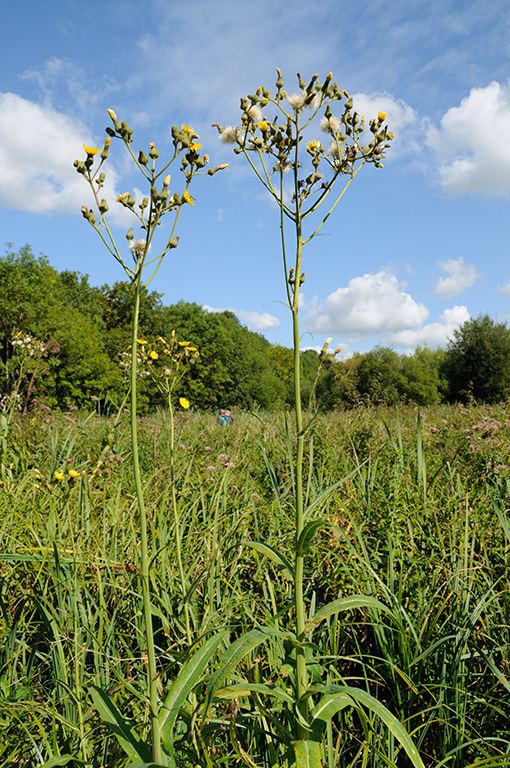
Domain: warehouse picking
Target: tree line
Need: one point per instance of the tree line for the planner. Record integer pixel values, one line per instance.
(62, 342)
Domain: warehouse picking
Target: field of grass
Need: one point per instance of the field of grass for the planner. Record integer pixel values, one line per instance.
(411, 509)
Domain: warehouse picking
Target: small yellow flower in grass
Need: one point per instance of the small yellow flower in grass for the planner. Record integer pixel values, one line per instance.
(193, 349)
(184, 403)
(188, 198)
(59, 475)
(382, 116)
(184, 343)
(154, 355)
(73, 473)
(91, 151)
(142, 341)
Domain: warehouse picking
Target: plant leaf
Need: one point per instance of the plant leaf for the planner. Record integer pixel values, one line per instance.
(129, 740)
(344, 604)
(245, 689)
(332, 703)
(273, 555)
(308, 533)
(308, 754)
(184, 683)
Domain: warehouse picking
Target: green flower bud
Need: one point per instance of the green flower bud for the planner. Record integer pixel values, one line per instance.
(103, 206)
(173, 242)
(110, 132)
(142, 158)
(153, 154)
(129, 235)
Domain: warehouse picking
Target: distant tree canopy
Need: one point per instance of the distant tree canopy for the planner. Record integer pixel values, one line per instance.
(83, 330)
(477, 361)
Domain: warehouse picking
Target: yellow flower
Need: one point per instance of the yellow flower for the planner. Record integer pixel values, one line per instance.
(382, 116)
(112, 114)
(195, 147)
(73, 473)
(184, 343)
(90, 150)
(154, 355)
(314, 146)
(107, 142)
(187, 129)
(59, 475)
(142, 341)
(193, 349)
(184, 403)
(263, 126)
(188, 198)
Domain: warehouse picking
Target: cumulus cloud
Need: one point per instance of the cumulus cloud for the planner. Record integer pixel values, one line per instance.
(433, 334)
(401, 117)
(472, 144)
(38, 146)
(371, 304)
(460, 277)
(504, 289)
(255, 321)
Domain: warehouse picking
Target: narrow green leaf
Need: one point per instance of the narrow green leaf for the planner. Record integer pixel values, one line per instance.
(245, 689)
(308, 754)
(129, 740)
(332, 703)
(308, 533)
(61, 760)
(184, 683)
(344, 604)
(272, 554)
(233, 655)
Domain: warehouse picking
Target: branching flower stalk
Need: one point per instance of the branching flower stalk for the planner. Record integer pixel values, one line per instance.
(273, 147)
(148, 213)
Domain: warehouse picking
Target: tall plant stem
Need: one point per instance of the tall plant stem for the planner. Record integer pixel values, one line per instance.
(301, 673)
(152, 684)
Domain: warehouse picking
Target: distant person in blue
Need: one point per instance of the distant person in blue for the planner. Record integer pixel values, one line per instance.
(225, 418)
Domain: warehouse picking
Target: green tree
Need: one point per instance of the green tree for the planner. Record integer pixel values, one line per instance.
(477, 361)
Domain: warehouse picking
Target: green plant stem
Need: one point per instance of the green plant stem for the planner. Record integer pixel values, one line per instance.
(301, 672)
(152, 687)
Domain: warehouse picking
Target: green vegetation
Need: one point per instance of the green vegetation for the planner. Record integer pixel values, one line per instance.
(411, 513)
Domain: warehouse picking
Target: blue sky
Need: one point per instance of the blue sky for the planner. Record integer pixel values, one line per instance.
(412, 251)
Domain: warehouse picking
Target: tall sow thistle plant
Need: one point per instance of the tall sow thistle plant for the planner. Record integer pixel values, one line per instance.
(278, 149)
(141, 270)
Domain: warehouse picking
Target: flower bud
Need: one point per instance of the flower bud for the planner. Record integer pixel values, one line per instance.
(103, 206)
(129, 235)
(166, 182)
(113, 115)
(142, 158)
(153, 154)
(173, 242)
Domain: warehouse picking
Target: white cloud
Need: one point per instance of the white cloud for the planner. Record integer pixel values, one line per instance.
(255, 321)
(460, 277)
(472, 143)
(504, 289)
(401, 117)
(431, 335)
(371, 304)
(38, 146)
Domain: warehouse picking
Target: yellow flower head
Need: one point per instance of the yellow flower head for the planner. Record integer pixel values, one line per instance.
(107, 142)
(195, 147)
(193, 349)
(314, 146)
(184, 403)
(188, 198)
(263, 126)
(154, 355)
(59, 475)
(112, 114)
(73, 473)
(184, 343)
(187, 129)
(142, 341)
(91, 151)
(382, 116)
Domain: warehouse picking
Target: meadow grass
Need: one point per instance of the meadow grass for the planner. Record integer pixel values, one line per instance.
(412, 511)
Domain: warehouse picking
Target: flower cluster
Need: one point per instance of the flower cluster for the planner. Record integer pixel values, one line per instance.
(27, 343)
(351, 139)
(165, 361)
(160, 200)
